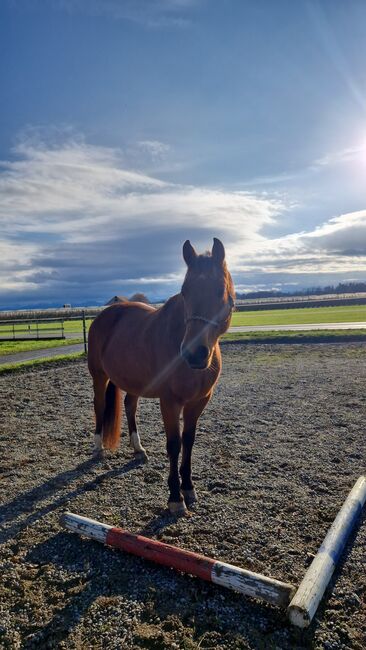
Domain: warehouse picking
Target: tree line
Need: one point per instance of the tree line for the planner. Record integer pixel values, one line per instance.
(342, 287)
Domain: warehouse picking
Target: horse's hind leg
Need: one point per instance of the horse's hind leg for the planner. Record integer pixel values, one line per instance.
(100, 382)
(135, 442)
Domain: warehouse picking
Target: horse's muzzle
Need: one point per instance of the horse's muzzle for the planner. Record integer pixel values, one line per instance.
(198, 359)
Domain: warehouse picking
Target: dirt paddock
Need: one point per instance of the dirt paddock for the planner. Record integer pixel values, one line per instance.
(278, 449)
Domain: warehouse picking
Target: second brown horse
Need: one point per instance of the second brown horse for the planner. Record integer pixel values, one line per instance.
(171, 353)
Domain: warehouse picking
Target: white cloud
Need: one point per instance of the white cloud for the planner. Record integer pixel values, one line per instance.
(148, 13)
(342, 156)
(170, 278)
(157, 150)
(337, 246)
(78, 224)
(355, 154)
(75, 215)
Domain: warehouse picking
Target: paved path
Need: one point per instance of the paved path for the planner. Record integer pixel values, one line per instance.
(79, 347)
(39, 354)
(298, 328)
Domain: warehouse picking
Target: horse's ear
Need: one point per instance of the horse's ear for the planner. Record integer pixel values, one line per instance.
(189, 254)
(218, 252)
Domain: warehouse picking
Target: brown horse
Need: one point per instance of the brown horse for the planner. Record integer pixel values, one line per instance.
(171, 353)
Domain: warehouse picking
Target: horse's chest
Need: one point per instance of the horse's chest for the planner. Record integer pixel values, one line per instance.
(194, 386)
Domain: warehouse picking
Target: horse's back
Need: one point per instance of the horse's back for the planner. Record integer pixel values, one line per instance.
(115, 329)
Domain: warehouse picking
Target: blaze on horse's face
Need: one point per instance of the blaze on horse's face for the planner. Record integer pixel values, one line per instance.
(208, 295)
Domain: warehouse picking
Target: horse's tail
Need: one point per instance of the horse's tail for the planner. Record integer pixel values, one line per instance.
(112, 417)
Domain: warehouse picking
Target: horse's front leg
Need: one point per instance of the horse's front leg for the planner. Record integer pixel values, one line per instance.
(191, 413)
(170, 410)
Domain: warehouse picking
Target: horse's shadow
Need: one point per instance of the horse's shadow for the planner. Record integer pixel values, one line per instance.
(27, 507)
(157, 524)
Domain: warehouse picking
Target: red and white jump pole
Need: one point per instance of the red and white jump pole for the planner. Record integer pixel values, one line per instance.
(230, 576)
(301, 603)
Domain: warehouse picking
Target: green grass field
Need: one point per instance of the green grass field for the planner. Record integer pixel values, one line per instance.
(355, 313)
(12, 347)
(342, 314)
(297, 336)
(53, 328)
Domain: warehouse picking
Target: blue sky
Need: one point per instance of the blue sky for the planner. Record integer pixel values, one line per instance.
(129, 126)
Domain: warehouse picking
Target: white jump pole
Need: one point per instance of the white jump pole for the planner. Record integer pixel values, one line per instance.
(310, 592)
(230, 576)
(304, 602)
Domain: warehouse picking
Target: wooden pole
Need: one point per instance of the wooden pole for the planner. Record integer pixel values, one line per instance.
(84, 333)
(230, 576)
(310, 592)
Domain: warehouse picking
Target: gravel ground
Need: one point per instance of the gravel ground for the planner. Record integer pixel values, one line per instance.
(278, 449)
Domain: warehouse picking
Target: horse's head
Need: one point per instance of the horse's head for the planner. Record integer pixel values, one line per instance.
(208, 295)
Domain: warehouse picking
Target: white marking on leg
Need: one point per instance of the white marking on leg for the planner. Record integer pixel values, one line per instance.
(177, 508)
(98, 443)
(135, 442)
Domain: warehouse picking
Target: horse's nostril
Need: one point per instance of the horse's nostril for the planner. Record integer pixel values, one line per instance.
(202, 353)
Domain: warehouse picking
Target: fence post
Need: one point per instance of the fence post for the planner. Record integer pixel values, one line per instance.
(84, 332)
(14, 331)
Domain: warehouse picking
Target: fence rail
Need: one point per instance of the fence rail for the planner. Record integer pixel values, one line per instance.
(32, 329)
(361, 295)
(42, 329)
(40, 314)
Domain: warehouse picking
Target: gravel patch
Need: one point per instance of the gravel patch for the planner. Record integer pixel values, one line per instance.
(278, 449)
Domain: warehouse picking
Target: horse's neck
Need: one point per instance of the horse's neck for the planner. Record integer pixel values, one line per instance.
(171, 318)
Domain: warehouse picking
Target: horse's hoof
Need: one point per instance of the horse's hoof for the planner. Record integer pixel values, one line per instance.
(177, 508)
(142, 456)
(190, 496)
(98, 454)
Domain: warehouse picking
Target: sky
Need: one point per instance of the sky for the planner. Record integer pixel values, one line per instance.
(129, 126)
